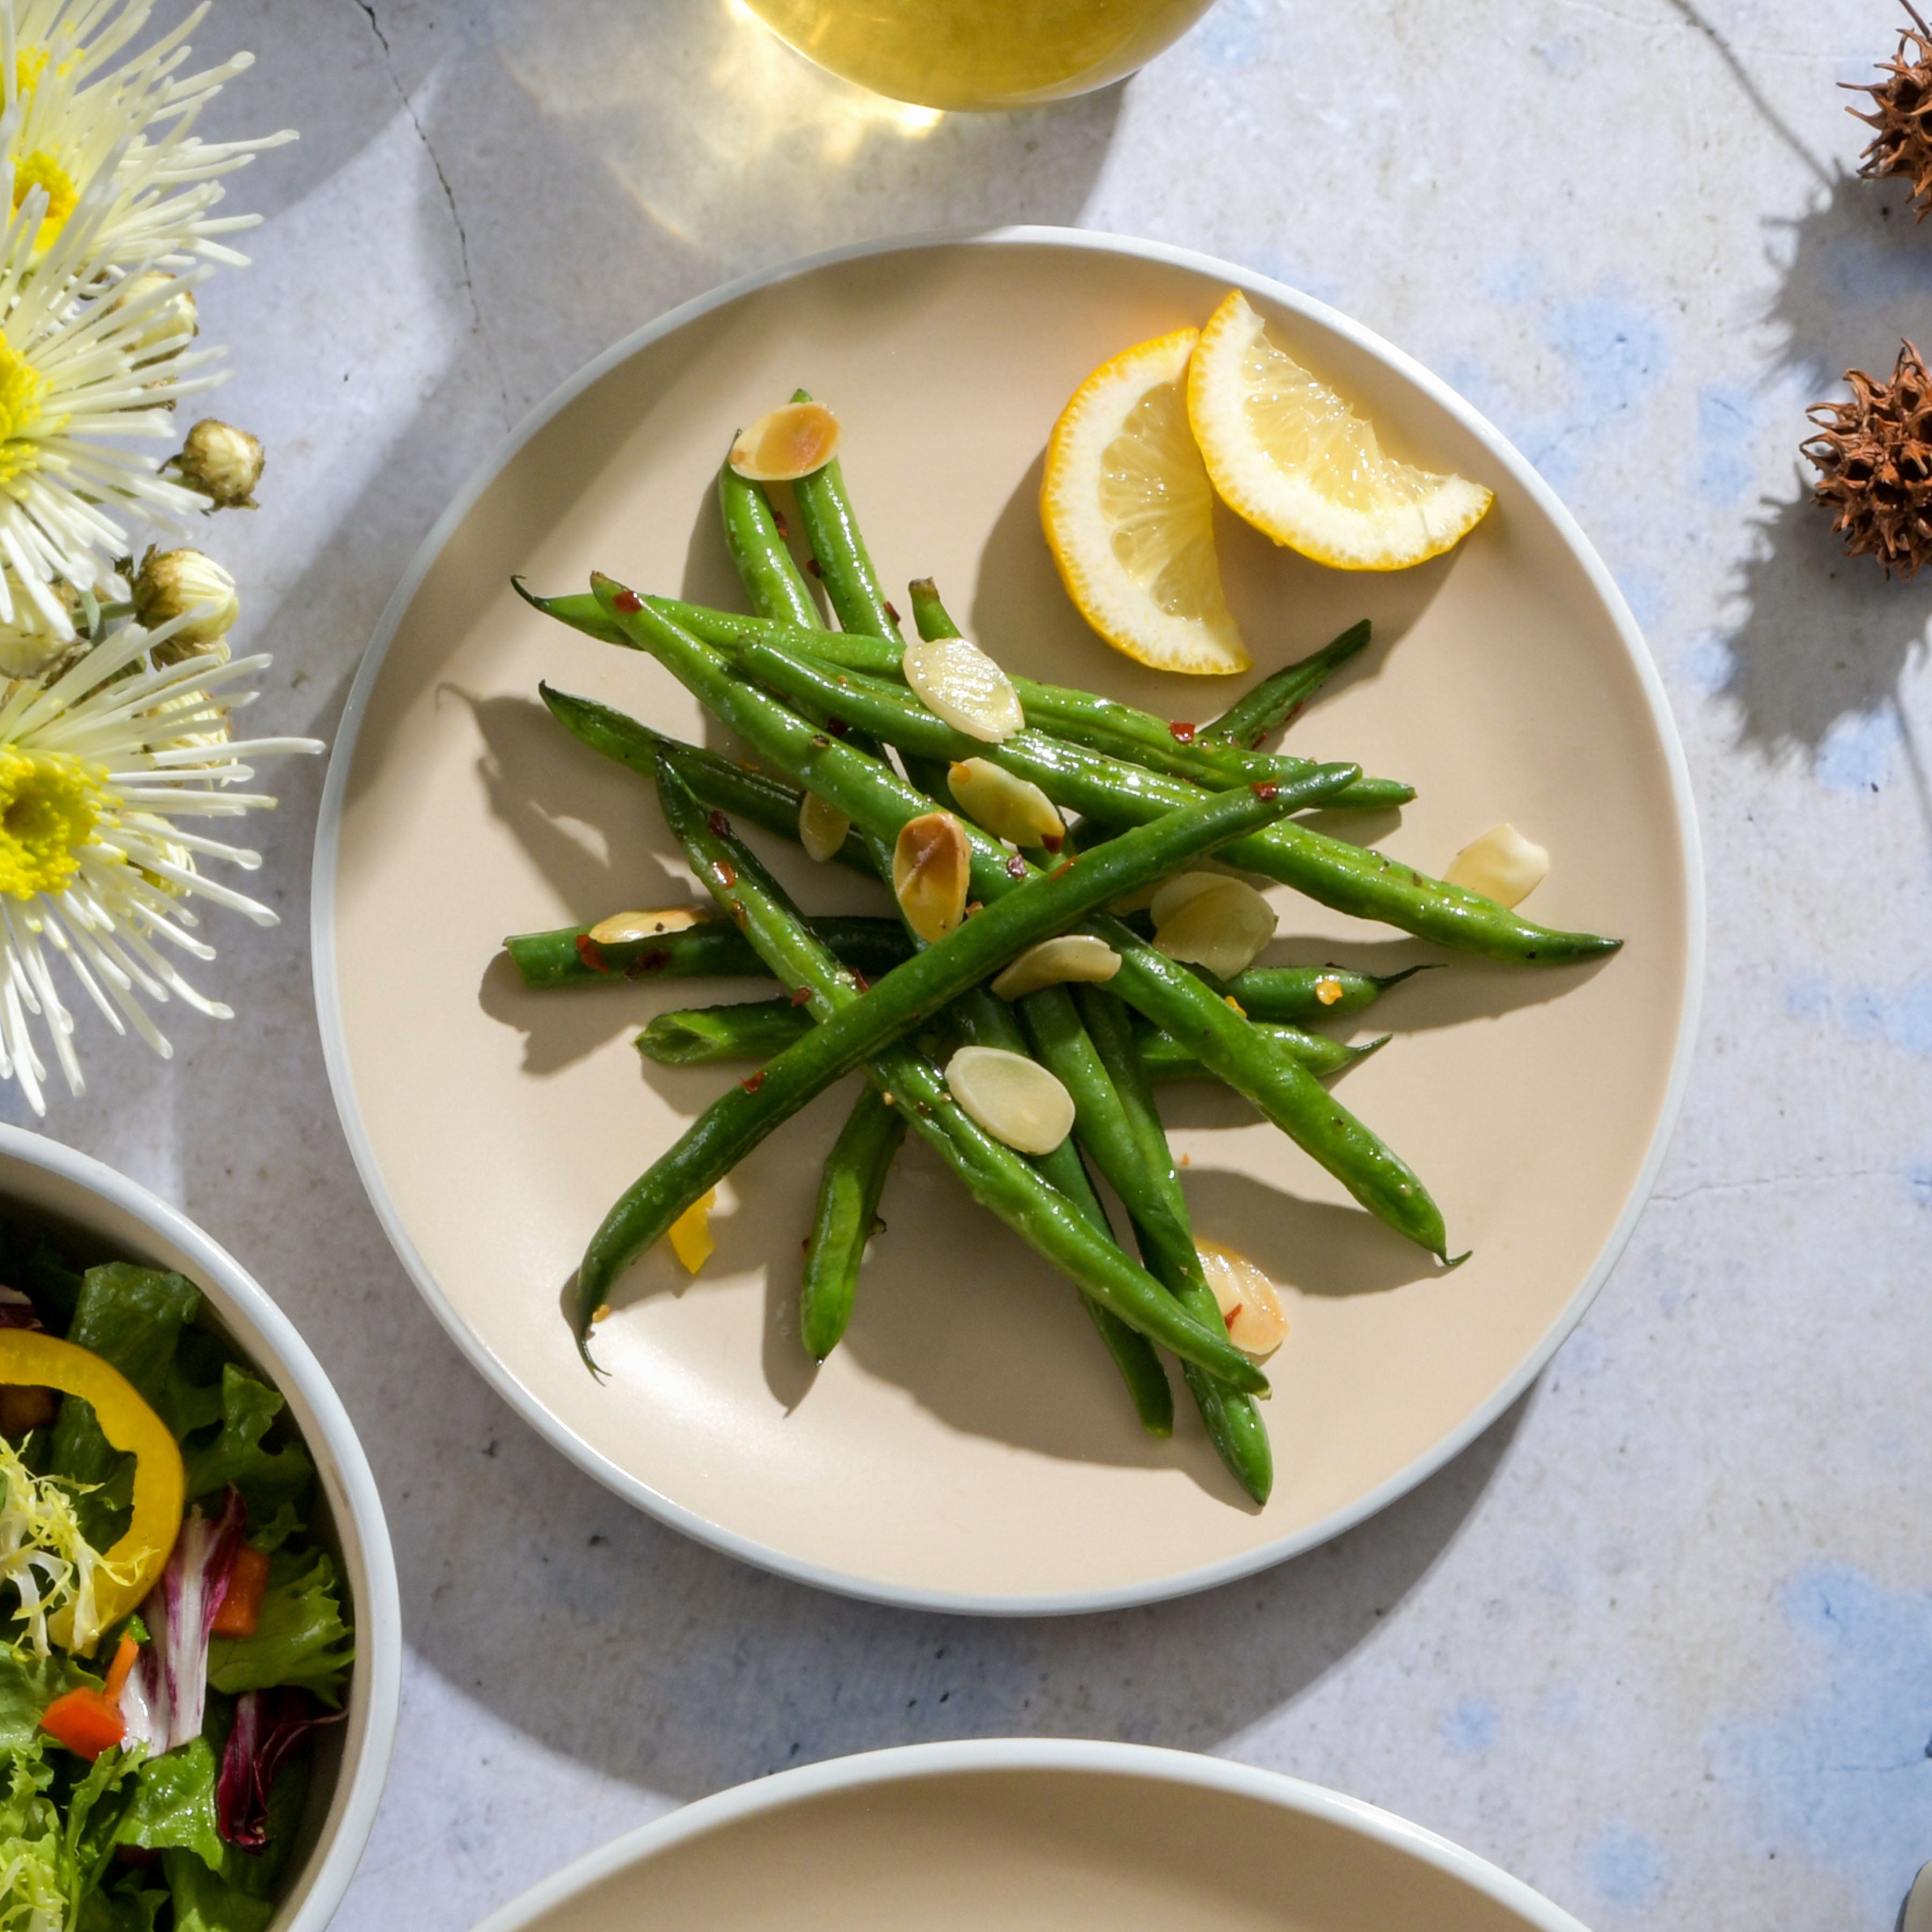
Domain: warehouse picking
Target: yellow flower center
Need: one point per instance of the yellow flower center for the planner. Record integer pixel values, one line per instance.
(40, 169)
(49, 804)
(22, 386)
(29, 64)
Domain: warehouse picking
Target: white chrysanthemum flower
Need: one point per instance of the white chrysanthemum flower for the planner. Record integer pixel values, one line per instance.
(79, 105)
(97, 767)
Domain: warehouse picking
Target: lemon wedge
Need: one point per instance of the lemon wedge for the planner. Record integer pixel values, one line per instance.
(1290, 456)
(1129, 514)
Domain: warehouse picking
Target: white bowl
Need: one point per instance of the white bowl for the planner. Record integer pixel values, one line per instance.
(1035, 1834)
(103, 1215)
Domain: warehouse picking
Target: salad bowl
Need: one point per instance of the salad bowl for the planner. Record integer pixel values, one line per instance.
(95, 1215)
(1031, 1835)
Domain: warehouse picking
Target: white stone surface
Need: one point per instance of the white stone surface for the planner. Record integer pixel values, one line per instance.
(1661, 1643)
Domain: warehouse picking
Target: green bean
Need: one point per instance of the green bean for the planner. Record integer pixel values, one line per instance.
(756, 1029)
(765, 568)
(994, 1175)
(848, 1206)
(766, 801)
(845, 567)
(850, 1034)
(711, 950)
(1234, 1424)
(1140, 738)
(1353, 879)
(987, 1021)
(1279, 699)
(1310, 992)
(877, 800)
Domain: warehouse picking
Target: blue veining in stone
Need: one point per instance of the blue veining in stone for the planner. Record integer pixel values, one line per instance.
(1515, 281)
(1857, 754)
(1727, 426)
(1471, 1729)
(1842, 1771)
(1645, 597)
(1615, 349)
(1627, 1869)
(1918, 1178)
(1233, 34)
(1564, 57)
(1900, 1016)
(1708, 661)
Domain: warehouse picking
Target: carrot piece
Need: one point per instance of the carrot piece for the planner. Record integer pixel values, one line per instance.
(241, 1609)
(84, 1721)
(119, 1671)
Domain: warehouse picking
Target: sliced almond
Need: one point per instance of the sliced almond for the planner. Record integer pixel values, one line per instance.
(1223, 928)
(691, 1233)
(1250, 1303)
(1007, 807)
(1015, 1099)
(623, 927)
(1502, 866)
(931, 864)
(1074, 955)
(786, 443)
(958, 682)
(821, 828)
(1171, 894)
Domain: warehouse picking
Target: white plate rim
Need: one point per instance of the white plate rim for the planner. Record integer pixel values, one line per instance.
(900, 1763)
(378, 1630)
(748, 1549)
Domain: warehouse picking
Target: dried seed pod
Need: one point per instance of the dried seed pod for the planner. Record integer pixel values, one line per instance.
(958, 682)
(690, 1235)
(1902, 147)
(1073, 956)
(1250, 1303)
(931, 863)
(1007, 807)
(1502, 866)
(1015, 1099)
(623, 927)
(821, 828)
(786, 443)
(1873, 456)
(1222, 927)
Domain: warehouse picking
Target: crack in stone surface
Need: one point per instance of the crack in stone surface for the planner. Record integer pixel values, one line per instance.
(1777, 1180)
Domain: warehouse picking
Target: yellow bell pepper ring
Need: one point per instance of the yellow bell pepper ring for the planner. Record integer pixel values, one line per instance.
(29, 1359)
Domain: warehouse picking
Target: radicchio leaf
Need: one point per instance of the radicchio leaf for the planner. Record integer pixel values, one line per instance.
(269, 1727)
(17, 1311)
(163, 1701)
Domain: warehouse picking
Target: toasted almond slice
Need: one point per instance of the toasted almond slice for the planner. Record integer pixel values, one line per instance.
(1250, 1303)
(690, 1234)
(1222, 928)
(1007, 807)
(622, 928)
(1073, 956)
(1015, 1099)
(786, 443)
(821, 828)
(931, 862)
(1502, 866)
(958, 682)
(1171, 894)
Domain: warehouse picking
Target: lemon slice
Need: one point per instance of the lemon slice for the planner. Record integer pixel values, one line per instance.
(1129, 514)
(1292, 458)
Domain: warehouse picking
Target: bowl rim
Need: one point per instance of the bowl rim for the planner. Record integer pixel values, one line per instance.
(640, 1494)
(1152, 1763)
(379, 1622)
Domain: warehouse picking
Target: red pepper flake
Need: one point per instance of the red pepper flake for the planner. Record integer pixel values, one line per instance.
(719, 824)
(1183, 732)
(1266, 789)
(655, 960)
(837, 727)
(1060, 870)
(891, 611)
(1054, 843)
(727, 877)
(1016, 867)
(798, 998)
(812, 565)
(1295, 710)
(591, 954)
(1232, 1316)
(627, 601)
(864, 984)
(752, 1082)
(740, 917)
(778, 523)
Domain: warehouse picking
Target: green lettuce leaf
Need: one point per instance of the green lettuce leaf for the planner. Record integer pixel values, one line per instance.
(267, 1477)
(174, 1805)
(300, 1638)
(204, 1901)
(130, 1906)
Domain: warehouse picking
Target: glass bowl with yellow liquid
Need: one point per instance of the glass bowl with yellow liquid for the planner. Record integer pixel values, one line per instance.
(980, 54)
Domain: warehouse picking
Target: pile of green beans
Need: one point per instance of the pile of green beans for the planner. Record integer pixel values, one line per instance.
(816, 706)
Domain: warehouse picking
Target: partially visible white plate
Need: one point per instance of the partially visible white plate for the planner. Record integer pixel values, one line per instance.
(967, 1448)
(1030, 1835)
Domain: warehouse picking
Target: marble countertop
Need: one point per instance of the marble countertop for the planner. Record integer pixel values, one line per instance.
(1659, 1642)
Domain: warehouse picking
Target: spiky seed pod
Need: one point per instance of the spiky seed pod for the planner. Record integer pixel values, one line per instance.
(1873, 456)
(1902, 148)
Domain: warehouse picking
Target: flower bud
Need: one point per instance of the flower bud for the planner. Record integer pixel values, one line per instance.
(172, 582)
(170, 327)
(223, 462)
